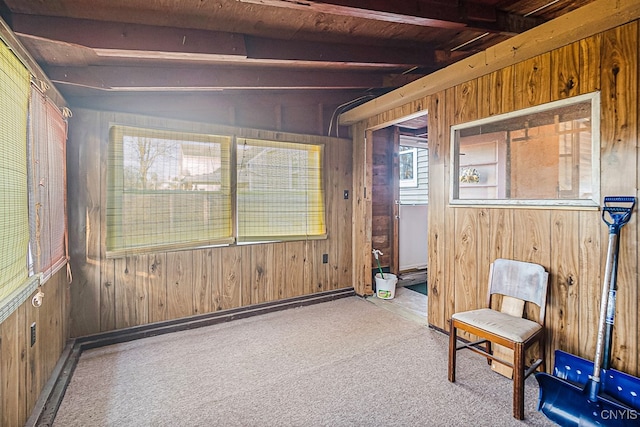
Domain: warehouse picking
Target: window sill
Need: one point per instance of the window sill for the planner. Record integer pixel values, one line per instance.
(527, 204)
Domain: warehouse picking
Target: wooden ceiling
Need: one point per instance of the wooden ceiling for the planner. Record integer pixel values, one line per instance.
(359, 48)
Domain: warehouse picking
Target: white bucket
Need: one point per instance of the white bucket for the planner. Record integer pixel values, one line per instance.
(386, 288)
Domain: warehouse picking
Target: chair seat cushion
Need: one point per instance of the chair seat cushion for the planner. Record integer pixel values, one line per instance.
(513, 328)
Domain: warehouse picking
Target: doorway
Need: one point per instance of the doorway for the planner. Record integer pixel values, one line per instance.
(400, 207)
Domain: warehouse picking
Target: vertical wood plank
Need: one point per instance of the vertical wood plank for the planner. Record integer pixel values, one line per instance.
(449, 217)
(495, 92)
(502, 243)
(563, 304)
(98, 225)
(107, 295)
(589, 282)
(202, 283)
(466, 101)
(294, 277)
(590, 54)
(231, 261)
(465, 253)
(220, 299)
(532, 243)
(262, 288)
(466, 269)
(565, 74)
(619, 130)
(125, 292)
(333, 195)
(83, 179)
(532, 81)
(344, 216)
(361, 208)
(141, 291)
(156, 284)
(179, 284)
(436, 271)
(11, 373)
(531, 236)
(280, 270)
(34, 380)
(310, 277)
(246, 272)
(484, 253)
(22, 343)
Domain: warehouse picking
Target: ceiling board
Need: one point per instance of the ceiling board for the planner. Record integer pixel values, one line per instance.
(366, 46)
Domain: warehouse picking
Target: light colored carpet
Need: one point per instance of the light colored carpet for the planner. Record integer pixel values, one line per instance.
(342, 363)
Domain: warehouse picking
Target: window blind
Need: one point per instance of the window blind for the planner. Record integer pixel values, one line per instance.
(47, 144)
(167, 190)
(280, 193)
(14, 216)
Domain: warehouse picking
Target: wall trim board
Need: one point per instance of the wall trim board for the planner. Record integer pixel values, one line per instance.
(48, 403)
(586, 21)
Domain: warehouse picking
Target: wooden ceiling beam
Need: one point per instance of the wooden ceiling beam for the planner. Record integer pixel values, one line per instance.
(463, 14)
(298, 50)
(121, 78)
(131, 40)
(122, 40)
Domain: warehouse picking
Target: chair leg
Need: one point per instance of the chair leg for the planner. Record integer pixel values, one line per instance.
(518, 381)
(452, 352)
(488, 349)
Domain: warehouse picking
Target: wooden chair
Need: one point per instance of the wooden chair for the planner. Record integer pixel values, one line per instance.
(514, 279)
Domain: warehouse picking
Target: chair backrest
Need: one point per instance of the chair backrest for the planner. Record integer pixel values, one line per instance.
(523, 280)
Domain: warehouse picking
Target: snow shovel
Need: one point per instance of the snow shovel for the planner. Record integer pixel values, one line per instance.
(608, 397)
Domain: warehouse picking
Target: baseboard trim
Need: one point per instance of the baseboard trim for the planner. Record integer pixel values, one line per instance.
(51, 396)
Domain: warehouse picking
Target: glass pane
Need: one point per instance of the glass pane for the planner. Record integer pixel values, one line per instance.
(168, 189)
(538, 154)
(280, 192)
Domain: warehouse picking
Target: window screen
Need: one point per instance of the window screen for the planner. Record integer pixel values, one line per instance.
(14, 216)
(47, 137)
(280, 191)
(167, 190)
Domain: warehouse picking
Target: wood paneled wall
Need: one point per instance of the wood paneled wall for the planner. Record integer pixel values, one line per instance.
(25, 369)
(307, 112)
(117, 293)
(570, 243)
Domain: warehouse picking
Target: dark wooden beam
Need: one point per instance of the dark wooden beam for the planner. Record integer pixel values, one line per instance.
(429, 13)
(132, 40)
(297, 50)
(197, 78)
(115, 39)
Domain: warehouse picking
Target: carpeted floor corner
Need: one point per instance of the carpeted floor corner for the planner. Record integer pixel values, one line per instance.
(342, 363)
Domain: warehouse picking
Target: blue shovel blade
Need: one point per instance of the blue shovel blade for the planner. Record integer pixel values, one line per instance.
(615, 384)
(568, 405)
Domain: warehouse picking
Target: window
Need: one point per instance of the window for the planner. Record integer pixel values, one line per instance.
(546, 155)
(408, 167)
(169, 190)
(47, 142)
(280, 193)
(14, 211)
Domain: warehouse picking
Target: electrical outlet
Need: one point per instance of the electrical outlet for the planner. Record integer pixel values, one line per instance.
(33, 333)
(346, 194)
(325, 258)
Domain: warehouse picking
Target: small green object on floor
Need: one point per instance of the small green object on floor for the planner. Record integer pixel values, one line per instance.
(420, 287)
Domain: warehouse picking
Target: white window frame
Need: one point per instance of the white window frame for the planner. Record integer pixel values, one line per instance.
(593, 202)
